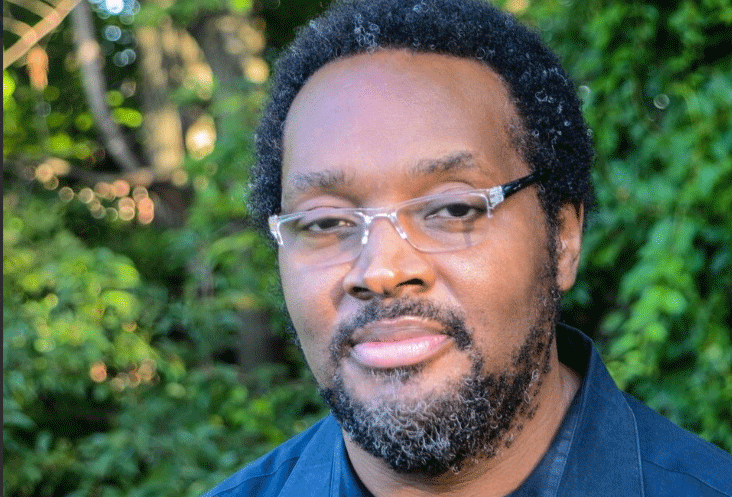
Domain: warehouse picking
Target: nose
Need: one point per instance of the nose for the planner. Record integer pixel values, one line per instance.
(388, 266)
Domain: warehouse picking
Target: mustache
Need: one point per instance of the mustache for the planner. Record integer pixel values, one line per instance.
(451, 320)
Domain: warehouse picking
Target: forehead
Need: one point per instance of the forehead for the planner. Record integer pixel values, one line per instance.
(384, 115)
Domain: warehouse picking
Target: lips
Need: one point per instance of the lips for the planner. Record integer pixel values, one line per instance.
(398, 342)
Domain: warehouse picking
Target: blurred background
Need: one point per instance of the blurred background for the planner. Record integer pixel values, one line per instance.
(144, 351)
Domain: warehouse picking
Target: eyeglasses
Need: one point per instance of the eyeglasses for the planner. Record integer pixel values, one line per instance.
(435, 223)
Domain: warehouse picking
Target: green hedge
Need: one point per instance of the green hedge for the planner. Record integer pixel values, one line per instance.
(95, 400)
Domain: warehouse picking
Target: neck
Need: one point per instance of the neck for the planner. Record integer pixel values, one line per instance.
(496, 476)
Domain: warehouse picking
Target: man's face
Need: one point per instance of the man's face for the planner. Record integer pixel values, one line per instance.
(397, 335)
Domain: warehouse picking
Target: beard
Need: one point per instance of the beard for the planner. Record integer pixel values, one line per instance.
(471, 419)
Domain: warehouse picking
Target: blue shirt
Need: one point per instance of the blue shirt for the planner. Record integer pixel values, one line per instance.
(609, 444)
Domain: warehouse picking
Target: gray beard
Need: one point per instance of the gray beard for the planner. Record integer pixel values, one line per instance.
(441, 432)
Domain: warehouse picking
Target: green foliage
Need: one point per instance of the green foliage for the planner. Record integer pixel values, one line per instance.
(56, 121)
(184, 13)
(656, 280)
(120, 344)
(95, 400)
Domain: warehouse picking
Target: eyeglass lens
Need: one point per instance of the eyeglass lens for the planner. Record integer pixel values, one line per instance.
(433, 224)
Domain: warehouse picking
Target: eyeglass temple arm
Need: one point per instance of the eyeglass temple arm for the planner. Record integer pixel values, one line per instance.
(514, 186)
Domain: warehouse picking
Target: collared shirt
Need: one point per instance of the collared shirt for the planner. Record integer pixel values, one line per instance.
(609, 444)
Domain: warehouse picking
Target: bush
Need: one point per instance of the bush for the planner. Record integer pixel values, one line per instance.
(95, 401)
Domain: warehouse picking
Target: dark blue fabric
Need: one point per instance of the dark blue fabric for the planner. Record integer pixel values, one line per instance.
(609, 444)
(544, 480)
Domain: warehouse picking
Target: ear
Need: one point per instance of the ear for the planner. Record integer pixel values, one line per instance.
(569, 244)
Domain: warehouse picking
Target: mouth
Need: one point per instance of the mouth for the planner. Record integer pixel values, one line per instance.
(395, 343)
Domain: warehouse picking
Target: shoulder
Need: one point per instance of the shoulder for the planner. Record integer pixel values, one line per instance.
(269, 474)
(677, 462)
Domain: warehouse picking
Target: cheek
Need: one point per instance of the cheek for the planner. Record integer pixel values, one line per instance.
(307, 297)
(497, 285)
(491, 279)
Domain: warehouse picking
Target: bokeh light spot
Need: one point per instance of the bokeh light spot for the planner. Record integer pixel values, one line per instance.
(126, 209)
(66, 194)
(256, 70)
(86, 195)
(98, 372)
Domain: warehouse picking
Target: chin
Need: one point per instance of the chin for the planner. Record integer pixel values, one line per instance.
(405, 384)
(418, 430)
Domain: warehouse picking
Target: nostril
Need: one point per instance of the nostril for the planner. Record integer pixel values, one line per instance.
(412, 282)
(361, 292)
(365, 293)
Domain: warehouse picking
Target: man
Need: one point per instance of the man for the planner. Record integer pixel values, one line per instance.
(424, 170)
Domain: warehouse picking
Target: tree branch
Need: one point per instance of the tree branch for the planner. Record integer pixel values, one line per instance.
(33, 35)
(37, 7)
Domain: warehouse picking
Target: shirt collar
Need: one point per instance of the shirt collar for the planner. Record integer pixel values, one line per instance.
(604, 459)
(546, 477)
(319, 467)
(596, 450)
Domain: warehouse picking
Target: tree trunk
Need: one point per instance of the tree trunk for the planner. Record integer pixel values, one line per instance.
(163, 130)
(95, 88)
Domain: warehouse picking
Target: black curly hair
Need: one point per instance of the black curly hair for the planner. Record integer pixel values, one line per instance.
(552, 135)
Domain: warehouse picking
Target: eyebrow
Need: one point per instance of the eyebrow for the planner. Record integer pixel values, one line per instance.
(329, 179)
(453, 162)
(326, 179)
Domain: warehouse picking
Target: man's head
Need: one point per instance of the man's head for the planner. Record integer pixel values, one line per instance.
(427, 358)
(550, 132)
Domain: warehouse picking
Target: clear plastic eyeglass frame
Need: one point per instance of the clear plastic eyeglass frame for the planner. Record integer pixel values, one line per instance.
(337, 253)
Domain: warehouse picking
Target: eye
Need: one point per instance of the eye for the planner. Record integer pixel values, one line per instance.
(324, 221)
(324, 224)
(458, 210)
